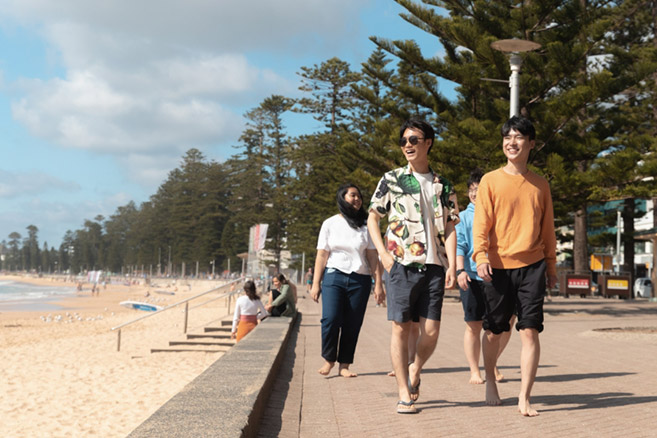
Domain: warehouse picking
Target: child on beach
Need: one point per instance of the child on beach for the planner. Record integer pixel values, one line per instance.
(248, 310)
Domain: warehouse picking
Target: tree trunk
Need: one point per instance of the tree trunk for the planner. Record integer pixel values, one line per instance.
(580, 244)
(628, 237)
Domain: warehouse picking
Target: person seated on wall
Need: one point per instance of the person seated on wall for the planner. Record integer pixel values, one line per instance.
(281, 298)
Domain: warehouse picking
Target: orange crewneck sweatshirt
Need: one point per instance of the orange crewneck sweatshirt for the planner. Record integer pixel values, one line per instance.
(514, 221)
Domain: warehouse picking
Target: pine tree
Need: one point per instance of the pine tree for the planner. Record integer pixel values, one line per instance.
(332, 97)
(320, 164)
(14, 256)
(117, 229)
(278, 148)
(31, 248)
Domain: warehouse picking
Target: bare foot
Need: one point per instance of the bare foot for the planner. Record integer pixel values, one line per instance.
(525, 408)
(499, 377)
(492, 396)
(391, 373)
(344, 371)
(326, 369)
(475, 379)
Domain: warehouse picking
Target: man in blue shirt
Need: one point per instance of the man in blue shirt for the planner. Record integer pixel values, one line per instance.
(471, 286)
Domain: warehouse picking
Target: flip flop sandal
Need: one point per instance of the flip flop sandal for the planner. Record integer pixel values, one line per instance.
(414, 390)
(406, 407)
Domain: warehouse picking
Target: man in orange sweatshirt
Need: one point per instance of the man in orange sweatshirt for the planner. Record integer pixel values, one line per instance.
(515, 253)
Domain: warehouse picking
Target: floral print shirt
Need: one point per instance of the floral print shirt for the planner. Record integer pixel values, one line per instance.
(398, 196)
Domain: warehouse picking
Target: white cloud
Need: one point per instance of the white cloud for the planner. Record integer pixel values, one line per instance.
(85, 113)
(161, 76)
(13, 184)
(206, 25)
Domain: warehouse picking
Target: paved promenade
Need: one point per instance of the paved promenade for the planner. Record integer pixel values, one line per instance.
(589, 383)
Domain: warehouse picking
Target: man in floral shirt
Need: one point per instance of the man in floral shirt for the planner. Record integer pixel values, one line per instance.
(419, 253)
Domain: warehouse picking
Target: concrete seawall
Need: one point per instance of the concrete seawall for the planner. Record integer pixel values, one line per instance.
(229, 398)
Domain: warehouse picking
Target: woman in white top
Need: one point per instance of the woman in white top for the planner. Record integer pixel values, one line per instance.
(346, 259)
(248, 310)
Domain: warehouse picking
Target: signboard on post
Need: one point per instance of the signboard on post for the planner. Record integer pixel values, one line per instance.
(257, 239)
(602, 262)
(616, 285)
(578, 285)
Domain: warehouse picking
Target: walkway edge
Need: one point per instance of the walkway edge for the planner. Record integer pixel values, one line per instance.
(229, 398)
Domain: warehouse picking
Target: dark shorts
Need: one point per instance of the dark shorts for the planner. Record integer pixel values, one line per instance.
(414, 293)
(511, 290)
(278, 310)
(472, 300)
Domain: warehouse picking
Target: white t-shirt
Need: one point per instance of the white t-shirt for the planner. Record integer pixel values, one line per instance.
(345, 245)
(244, 306)
(426, 204)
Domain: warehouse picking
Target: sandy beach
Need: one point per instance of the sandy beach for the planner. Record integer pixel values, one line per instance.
(62, 375)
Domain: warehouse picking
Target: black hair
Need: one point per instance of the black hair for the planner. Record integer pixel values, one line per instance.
(282, 278)
(418, 125)
(520, 124)
(475, 177)
(355, 218)
(250, 289)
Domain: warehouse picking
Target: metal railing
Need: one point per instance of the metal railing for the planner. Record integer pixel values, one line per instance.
(186, 301)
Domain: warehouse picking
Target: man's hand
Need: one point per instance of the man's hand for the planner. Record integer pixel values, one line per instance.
(379, 294)
(387, 261)
(463, 280)
(551, 281)
(485, 272)
(450, 278)
(315, 292)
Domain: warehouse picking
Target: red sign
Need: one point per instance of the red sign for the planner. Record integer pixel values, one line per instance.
(578, 283)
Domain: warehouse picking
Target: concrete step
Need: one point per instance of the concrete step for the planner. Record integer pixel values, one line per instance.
(217, 335)
(188, 350)
(217, 329)
(203, 343)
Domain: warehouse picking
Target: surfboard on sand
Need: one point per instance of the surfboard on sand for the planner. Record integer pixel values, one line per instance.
(138, 305)
(164, 292)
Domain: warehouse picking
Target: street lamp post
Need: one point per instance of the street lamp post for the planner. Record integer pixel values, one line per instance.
(514, 47)
(618, 240)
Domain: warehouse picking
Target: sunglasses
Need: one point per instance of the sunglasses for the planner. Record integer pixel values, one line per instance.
(413, 140)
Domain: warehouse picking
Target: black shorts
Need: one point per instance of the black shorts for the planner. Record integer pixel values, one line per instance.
(414, 293)
(472, 300)
(520, 289)
(278, 310)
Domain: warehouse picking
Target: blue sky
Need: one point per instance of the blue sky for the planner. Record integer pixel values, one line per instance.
(100, 100)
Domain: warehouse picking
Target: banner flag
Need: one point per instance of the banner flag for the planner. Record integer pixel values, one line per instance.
(260, 236)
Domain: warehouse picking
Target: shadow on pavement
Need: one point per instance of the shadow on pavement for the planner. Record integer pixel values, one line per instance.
(571, 377)
(602, 306)
(466, 369)
(589, 401)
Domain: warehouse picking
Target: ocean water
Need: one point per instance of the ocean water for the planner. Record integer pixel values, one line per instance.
(29, 297)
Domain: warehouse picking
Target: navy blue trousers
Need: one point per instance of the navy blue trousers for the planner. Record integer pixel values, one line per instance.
(344, 301)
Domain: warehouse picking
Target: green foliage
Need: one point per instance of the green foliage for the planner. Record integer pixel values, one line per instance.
(332, 97)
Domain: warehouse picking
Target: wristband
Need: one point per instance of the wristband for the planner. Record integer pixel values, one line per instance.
(458, 271)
